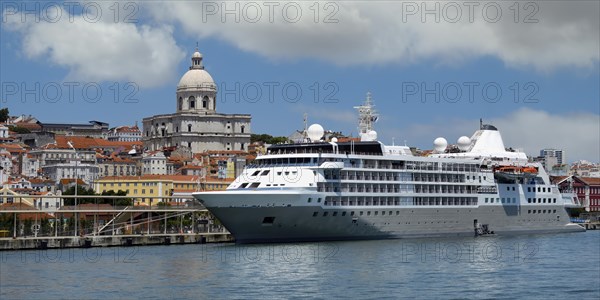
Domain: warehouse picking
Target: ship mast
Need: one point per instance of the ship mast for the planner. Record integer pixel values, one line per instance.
(367, 116)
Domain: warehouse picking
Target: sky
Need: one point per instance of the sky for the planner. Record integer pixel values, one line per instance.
(434, 68)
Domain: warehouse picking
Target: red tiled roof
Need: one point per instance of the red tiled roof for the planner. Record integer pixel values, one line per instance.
(82, 142)
(72, 180)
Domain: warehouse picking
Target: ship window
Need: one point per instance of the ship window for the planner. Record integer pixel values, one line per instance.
(265, 172)
(254, 185)
(513, 188)
(554, 211)
(544, 211)
(255, 173)
(309, 200)
(529, 189)
(529, 211)
(268, 220)
(325, 214)
(343, 214)
(334, 213)
(486, 200)
(352, 213)
(528, 200)
(278, 173)
(508, 188)
(397, 212)
(361, 213)
(243, 185)
(319, 200)
(554, 200)
(315, 214)
(368, 213)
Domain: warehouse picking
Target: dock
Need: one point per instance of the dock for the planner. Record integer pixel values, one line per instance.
(60, 242)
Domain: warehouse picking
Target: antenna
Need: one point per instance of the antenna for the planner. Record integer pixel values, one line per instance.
(480, 124)
(304, 134)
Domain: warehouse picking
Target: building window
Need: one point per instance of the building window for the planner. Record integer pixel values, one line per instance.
(189, 127)
(180, 103)
(205, 102)
(192, 102)
(242, 129)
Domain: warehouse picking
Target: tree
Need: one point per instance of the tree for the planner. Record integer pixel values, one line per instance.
(269, 139)
(4, 114)
(18, 129)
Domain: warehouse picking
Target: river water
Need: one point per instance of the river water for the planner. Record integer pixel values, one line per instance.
(550, 266)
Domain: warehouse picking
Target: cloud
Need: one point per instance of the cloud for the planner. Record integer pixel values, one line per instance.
(103, 50)
(578, 134)
(542, 35)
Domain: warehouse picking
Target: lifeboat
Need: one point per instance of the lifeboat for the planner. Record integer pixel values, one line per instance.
(514, 173)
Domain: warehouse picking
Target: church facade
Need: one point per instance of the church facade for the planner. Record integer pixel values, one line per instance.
(196, 123)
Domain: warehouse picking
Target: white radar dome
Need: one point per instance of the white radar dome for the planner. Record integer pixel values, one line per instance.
(463, 143)
(440, 144)
(369, 136)
(315, 132)
(334, 140)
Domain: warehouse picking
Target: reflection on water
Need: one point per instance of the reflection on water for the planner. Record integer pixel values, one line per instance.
(533, 266)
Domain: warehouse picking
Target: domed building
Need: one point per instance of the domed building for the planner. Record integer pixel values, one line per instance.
(196, 123)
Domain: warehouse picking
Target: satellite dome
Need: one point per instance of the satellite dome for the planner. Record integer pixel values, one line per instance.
(369, 136)
(334, 140)
(463, 143)
(440, 144)
(315, 132)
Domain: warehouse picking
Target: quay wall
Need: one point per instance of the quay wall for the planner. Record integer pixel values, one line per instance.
(112, 241)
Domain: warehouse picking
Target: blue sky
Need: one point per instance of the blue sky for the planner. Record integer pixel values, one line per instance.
(548, 52)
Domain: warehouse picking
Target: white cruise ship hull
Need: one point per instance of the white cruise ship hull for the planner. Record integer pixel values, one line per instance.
(284, 216)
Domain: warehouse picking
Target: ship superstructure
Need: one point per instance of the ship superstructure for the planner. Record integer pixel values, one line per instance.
(367, 190)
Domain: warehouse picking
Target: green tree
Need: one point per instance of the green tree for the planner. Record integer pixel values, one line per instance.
(18, 129)
(4, 114)
(81, 191)
(269, 139)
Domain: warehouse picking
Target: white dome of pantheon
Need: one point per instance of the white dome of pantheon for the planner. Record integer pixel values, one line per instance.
(196, 78)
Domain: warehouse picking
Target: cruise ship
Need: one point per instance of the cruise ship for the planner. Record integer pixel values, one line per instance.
(328, 190)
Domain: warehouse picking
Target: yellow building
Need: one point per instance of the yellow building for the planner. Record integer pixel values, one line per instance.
(144, 187)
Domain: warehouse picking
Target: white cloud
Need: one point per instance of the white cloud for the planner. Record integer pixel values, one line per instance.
(101, 51)
(526, 129)
(566, 33)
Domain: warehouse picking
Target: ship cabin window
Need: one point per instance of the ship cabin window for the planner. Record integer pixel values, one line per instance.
(319, 200)
(513, 188)
(256, 173)
(554, 200)
(397, 213)
(376, 212)
(361, 213)
(268, 220)
(325, 214)
(254, 185)
(309, 200)
(368, 213)
(278, 173)
(352, 213)
(554, 211)
(539, 189)
(508, 188)
(243, 185)
(343, 214)
(315, 214)
(265, 172)
(334, 213)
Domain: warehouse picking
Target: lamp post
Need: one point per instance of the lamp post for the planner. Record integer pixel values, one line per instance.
(76, 176)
